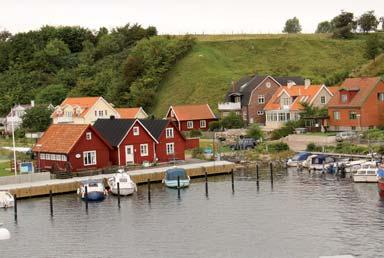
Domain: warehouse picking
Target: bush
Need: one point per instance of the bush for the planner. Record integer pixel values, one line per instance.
(255, 132)
(214, 126)
(273, 147)
(197, 152)
(195, 133)
(232, 121)
(286, 130)
(313, 147)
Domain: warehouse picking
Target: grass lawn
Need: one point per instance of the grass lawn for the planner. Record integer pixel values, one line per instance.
(22, 142)
(205, 73)
(5, 169)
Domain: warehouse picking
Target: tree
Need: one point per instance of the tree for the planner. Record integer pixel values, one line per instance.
(232, 121)
(4, 35)
(292, 26)
(368, 22)
(37, 119)
(255, 132)
(382, 23)
(372, 47)
(324, 27)
(52, 94)
(343, 25)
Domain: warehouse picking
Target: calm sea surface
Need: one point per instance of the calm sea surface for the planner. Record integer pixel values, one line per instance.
(302, 216)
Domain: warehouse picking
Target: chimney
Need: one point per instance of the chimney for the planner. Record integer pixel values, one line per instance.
(32, 103)
(290, 84)
(307, 83)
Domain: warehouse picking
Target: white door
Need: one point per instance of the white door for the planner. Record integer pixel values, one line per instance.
(129, 154)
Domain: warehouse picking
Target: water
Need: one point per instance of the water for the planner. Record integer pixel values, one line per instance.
(302, 216)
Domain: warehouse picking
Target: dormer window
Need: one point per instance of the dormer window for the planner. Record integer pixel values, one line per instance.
(344, 98)
(285, 101)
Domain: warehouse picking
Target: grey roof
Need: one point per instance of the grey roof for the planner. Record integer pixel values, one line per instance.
(247, 84)
(156, 126)
(113, 130)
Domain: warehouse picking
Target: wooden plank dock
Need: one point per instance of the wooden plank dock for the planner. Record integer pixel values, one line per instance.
(58, 186)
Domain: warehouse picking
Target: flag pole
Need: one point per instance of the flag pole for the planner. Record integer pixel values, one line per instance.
(14, 145)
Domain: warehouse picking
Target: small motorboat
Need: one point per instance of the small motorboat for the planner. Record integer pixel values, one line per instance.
(318, 162)
(353, 165)
(95, 191)
(126, 185)
(380, 180)
(299, 158)
(173, 174)
(367, 173)
(6, 199)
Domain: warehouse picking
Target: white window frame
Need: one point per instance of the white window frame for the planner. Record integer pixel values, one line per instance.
(58, 157)
(144, 150)
(88, 136)
(169, 133)
(203, 123)
(93, 158)
(136, 131)
(47, 156)
(63, 158)
(42, 156)
(344, 98)
(381, 96)
(323, 98)
(101, 113)
(170, 150)
(96, 113)
(336, 115)
(261, 99)
(189, 124)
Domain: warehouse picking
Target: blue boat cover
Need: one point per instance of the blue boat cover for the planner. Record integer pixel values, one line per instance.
(173, 173)
(380, 172)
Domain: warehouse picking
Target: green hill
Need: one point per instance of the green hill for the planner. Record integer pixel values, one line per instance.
(372, 68)
(206, 72)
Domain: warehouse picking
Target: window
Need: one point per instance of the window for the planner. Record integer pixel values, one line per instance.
(170, 148)
(63, 158)
(68, 114)
(136, 131)
(336, 115)
(380, 96)
(189, 124)
(352, 115)
(285, 101)
(322, 99)
(106, 112)
(281, 116)
(144, 150)
(344, 98)
(95, 112)
(261, 99)
(58, 157)
(353, 128)
(89, 158)
(101, 112)
(53, 157)
(88, 136)
(237, 99)
(47, 156)
(274, 116)
(42, 155)
(260, 113)
(169, 133)
(203, 124)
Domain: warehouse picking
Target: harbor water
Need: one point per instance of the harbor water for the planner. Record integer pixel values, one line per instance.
(302, 215)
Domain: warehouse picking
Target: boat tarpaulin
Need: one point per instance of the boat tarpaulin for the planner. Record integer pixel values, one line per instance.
(380, 172)
(173, 173)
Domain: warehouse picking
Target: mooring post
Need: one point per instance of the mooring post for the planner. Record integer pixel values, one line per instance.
(178, 187)
(233, 182)
(149, 189)
(257, 176)
(15, 206)
(271, 171)
(206, 182)
(323, 168)
(118, 194)
(86, 198)
(51, 202)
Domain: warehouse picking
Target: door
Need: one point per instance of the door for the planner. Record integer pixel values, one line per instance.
(129, 156)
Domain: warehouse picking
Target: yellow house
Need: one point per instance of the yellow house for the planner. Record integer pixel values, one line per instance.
(83, 110)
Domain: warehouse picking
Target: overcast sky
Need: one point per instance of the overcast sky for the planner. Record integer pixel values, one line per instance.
(179, 16)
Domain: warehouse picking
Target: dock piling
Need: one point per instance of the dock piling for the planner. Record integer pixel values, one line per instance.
(149, 190)
(118, 194)
(178, 187)
(233, 182)
(257, 176)
(15, 206)
(51, 202)
(206, 182)
(271, 171)
(86, 198)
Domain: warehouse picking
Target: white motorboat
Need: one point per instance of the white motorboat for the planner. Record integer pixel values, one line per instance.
(126, 185)
(353, 165)
(318, 162)
(367, 173)
(95, 191)
(298, 159)
(6, 199)
(176, 177)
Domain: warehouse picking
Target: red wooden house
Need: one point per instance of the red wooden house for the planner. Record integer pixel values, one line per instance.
(72, 147)
(136, 141)
(191, 117)
(357, 105)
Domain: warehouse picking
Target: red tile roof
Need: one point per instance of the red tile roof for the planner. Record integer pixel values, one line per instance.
(127, 113)
(84, 102)
(299, 92)
(192, 112)
(364, 85)
(60, 138)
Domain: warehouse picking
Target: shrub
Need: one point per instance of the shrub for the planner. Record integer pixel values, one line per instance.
(313, 147)
(273, 147)
(286, 130)
(195, 133)
(255, 132)
(197, 152)
(232, 121)
(214, 126)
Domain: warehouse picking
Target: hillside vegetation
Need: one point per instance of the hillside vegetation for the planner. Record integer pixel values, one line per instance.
(207, 71)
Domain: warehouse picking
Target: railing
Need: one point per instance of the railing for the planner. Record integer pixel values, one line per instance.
(64, 119)
(229, 106)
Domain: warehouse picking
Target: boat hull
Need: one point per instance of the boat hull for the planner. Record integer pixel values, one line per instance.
(365, 178)
(94, 197)
(123, 191)
(173, 183)
(380, 185)
(6, 200)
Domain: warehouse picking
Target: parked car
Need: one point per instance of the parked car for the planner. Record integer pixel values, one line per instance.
(341, 136)
(244, 144)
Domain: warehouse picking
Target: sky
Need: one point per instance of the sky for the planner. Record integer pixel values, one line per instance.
(179, 16)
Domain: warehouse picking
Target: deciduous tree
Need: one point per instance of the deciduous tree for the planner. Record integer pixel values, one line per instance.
(37, 119)
(343, 25)
(324, 27)
(292, 26)
(368, 22)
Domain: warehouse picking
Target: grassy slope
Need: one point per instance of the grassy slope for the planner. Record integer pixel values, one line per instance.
(372, 68)
(206, 72)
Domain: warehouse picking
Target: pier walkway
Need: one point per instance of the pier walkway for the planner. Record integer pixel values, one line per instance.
(154, 174)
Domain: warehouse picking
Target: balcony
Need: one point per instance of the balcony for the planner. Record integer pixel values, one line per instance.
(229, 106)
(64, 119)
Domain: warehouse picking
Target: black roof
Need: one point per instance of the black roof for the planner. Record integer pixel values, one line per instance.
(113, 130)
(156, 126)
(247, 84)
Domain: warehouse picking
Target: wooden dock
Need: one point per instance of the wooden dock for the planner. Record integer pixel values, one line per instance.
(59, 186)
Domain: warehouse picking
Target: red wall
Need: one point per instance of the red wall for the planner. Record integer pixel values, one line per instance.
(142, 138)
(192, 143)
(196, 125)
(179, 145)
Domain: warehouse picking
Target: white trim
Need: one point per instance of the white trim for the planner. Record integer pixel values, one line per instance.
(136, 131)
(258, 85)
(85, 153)
(118, 155)
(88, 136)
(129, 129)
(172, 134)
(146, 148)
(318, 92)
(205, 123)
(133, 153)
(213, 115)
(142, 110)
(173, 148)
(190, 121)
